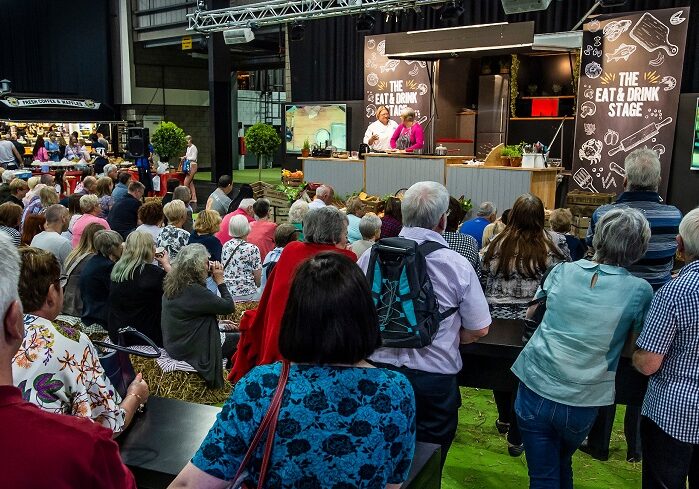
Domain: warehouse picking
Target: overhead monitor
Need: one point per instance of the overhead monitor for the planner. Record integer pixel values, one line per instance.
(317, 123)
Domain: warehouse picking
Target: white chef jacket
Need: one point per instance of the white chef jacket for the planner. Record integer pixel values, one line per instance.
(384, 132)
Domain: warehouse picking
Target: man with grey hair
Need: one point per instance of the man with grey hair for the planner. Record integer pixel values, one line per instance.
(486, 214)
(432, 369)
(641, 184)
(324, 196)
(29, 434)
(669, 353)
(110, 170)
(50, 239)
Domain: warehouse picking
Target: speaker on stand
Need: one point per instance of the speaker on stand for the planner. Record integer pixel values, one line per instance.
(138, 141)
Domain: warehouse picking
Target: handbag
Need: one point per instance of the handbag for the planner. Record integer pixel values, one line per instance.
(533, 322)
(186, 166)
(268, 425)
(117, 364)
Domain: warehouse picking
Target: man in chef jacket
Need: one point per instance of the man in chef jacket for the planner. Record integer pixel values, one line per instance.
(378, 134)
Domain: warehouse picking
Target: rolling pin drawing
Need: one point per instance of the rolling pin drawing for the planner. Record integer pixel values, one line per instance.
(640, 136)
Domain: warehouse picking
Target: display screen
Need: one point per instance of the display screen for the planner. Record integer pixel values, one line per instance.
(317, 123)
(695, 152)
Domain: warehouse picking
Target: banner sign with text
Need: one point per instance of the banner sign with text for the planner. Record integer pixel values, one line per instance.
(394, 83)
(629, 89)
(21, 102)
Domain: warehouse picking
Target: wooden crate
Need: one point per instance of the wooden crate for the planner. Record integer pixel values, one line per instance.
(580, 197)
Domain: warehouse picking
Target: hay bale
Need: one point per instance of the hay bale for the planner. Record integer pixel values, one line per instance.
(240, 308)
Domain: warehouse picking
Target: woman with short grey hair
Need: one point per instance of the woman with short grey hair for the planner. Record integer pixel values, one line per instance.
(297, 212)
(327, 225)
(242, 262)
(567, 369)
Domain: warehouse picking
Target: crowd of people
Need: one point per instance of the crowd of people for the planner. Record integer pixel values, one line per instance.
(353, 407)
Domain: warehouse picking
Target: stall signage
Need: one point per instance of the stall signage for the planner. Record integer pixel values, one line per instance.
(629, 89)
(16, 102)
(186, 43)
(393, 83)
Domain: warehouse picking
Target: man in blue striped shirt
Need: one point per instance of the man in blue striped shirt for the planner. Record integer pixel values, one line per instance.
(669, 353)
(641, 184)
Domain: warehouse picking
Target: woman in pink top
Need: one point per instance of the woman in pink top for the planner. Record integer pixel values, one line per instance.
(408, 135)
(89, 205)
(39, 151)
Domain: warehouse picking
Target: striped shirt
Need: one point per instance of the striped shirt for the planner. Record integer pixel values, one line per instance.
(672, 329)
(664, 220)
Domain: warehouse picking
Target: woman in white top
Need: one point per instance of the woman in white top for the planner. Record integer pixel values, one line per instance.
(190, 169)
(378, 134)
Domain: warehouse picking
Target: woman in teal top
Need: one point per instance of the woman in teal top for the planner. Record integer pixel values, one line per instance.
(567, 369)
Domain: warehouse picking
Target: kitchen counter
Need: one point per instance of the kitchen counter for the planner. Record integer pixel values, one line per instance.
(346, 175)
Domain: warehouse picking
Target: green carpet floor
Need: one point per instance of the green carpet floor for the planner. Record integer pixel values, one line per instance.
(270, 175)
(478, 458)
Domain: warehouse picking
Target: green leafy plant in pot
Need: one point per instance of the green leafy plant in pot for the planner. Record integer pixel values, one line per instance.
(263, 141)
(169, 142)
(306, 149)
(512, 155)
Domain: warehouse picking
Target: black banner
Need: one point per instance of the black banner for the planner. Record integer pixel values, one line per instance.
(629, 88)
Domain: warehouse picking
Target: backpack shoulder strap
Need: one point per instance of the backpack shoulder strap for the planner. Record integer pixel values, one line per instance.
(428, 247)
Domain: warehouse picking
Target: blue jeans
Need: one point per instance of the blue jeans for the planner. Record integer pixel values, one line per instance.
(551, 433)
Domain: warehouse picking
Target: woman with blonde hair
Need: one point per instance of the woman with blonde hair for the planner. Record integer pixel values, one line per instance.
(173, 237)
(205, 228)
(137, 288)
(74, 264)
(90, 209)
(408, 136)
(46, 197)
(355, 210)
(105, 185)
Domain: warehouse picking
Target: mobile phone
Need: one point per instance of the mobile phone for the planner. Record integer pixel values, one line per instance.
(159, 251)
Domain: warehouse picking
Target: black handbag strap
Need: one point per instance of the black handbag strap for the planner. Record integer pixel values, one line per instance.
(125, 349)
(232, 255)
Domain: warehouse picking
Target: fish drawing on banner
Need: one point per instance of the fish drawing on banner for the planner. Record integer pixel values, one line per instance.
(414, 70)
(591, 150)
(621, 52)
(640, 136)
(617, 169)
(390, 65)
(372, 79)
(587, 108)
(593, 70)
(589, 128)
(614, 29)
(651, 35)
(676, 18)
(669, 81)
(657, 61)
(381, 48)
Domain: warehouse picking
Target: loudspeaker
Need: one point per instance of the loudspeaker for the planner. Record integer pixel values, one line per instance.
(521, 6)
(138, 141)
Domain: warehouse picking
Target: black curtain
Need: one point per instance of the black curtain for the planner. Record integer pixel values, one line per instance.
(328, 64)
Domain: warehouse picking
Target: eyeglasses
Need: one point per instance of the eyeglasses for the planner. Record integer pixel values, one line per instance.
(448, 212)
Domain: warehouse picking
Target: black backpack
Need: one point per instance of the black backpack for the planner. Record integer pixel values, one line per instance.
(408, 310)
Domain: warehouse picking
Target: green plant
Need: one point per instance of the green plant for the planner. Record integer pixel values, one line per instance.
(306, 144)
(263, 141)
(168, 140)
(292, 193)
(466, 204)
(512, 151)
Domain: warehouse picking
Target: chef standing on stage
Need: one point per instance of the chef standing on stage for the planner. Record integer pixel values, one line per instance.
(378, 134)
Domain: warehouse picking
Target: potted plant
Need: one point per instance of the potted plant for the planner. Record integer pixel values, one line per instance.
(515, 154)
(168, 141)
(306, 149)
(263, 141)
(505, 155)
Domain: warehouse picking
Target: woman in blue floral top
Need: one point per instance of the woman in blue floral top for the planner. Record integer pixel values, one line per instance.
(342, 423)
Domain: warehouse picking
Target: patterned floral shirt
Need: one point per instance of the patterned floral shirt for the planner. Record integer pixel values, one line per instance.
(172, 239)
(58, 369)
(239, 266)
(105, 202)
(338, 428)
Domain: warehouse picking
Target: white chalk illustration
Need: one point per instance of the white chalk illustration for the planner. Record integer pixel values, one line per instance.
(390, 65)
(381, 48)
(593, 26)
(590, 51)
(371, 44)
(421, 64)
(659, 148)
(623, 51)
(414, 70)
(609, 181)
(614, 29)
(422, 120)
(617, 169)
(593, 69)
(658, 60)
(589, 93)
(584, 180)
(676, 18)
(640, 136)
(370, 97)
(589, 128)
(372, 79)
(669, 81)
(611, 137)
(651, 35)
(587, 108)
(598, 41)
(422, 88)
(591, 150)
(370, 110)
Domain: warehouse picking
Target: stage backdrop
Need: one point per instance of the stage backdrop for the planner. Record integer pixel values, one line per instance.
(397, 84)
(628, 92)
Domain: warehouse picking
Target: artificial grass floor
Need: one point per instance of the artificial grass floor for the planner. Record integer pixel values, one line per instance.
(270, 175)
(478, 458)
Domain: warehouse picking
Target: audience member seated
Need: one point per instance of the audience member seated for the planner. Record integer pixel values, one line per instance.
(668, 352)
(568, 367)
(95, 278)
(245, 210)
(50, 238)
(262, 228)
(486, 214)
(30, 436)
(172, 184)
(346, 423)
(206, 225)
(283, 235)
(173, 237)
(74, 212)
(297, 212)
(151, 217)
(561, 221)
(90, 208)
(219, 200)
(111, 171)
(185, 195)
(18, 190)
(370, 229)
(122, 186)
(495, 228)
(34, 187)
(123, 218)
(355, 209)
(513, 265)
(10, 217)
(392, 221)
(189, 323)
(7, 177)
(88, 185)
(73, 267)
(325, 229)
(57, 367)
(136, 290)
(104, 195)
(242, 264)
(32, 226)
(46, 197)
(464, 244)
(324, 196)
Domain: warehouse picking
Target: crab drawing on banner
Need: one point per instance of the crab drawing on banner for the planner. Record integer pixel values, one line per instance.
(591, 150)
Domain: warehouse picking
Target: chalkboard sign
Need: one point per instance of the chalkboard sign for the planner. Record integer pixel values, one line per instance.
(629, 89)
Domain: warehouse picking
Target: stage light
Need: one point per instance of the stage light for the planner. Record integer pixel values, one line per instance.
(452, 10)
(365, 22)
(296, 31)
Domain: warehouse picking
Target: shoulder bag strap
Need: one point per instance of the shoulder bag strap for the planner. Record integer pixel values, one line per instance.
(225, 265)
(76, 262)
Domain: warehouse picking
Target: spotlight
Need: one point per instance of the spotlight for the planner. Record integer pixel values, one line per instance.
(365, 22)
(451, 10)
(296, 31)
